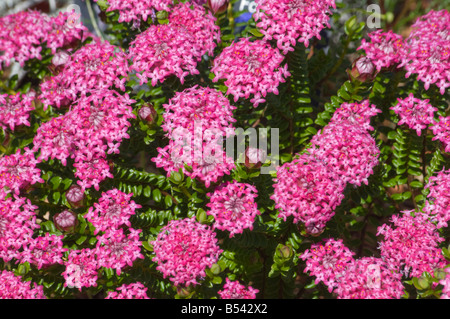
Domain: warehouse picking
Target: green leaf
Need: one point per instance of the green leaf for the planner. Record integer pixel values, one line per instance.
(157, 196)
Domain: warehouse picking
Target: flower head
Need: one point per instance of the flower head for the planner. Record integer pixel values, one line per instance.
(13, 287)
(235, 290)
(15, 109)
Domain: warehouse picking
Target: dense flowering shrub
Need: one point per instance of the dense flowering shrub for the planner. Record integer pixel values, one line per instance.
(175, 152)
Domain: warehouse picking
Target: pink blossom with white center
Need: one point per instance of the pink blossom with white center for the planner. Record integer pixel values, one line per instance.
(357, 113)
(441, 131)
(97, 65)
(417, 114)
(427, 50)
(350, 151)
(129, 291)
(384, 48)
(44, 251)
(292, 21)
(369, 278)
(308, 190)
(196, 121)
(235, 290)
(184, 249)
(250, 68)
(113, 210)
(15, 109)
(81, 269)
(411, 244)
(13, 287)
(196, 20)
(136, 10)
(18, 171)
(164, 50)
(233, 206)
(327, 261)
(91, 172)
(17, 224)
(437, 205)
(116, 249)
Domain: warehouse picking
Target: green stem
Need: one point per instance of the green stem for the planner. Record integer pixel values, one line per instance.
(93, 20)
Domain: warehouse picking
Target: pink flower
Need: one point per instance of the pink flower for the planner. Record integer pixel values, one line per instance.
(13, 287)
(44, 251)
(369, 278)
(18, 171)
(196, 121)
(233, 206)
(415, 113)
(384, 48)
(136, 10)
(131, 291)
(357, 113)
(292, 21)
(81, 269)
(184, 249)
(17, 224)
(441, 131)
(446, 283)
(15, 109)
(437, 205)
(308, 190)
(235, 290)
(426, 52)
(200, 23)
(348, 150)
(250, 68)
(328, 261)
(164, 50)
(113, 210)
(410, 244)
(116, 250)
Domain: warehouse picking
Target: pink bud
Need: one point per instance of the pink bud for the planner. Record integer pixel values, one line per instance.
(60, 58)
(75, 196)
(148, 113)
(217, 6)
(363, 69)
(66, 220)
(254, 157)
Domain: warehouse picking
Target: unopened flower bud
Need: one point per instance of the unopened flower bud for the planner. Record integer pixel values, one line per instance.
(148, 113)
(60, 58)
(217, 6)
(363, 69)
(66, 221)
(183, 292)
(75, 196)
(284, 252)
(254, 157)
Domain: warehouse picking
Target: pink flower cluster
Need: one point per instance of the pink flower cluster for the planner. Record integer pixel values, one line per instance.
(292, 21)
(15, 109)
(233, 206)
(174, 48)
(131, 291)
(13, 287)
(113, 210)
(332, 263)
(446, 283)
(427, 50)
(194, 19)
(196, 122)
(437, 205)
(94, 127)
(410, 245)
(184, 249)
(235, 290)
(250, 68)
(309, 191)
(17, 224)
(117, 246)
(43, 251)
(417, 114)
(22, 34)
(18, 171)
(311, 186)
(441, 131)
(136, 10)
(384, 48)
(95, 66)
